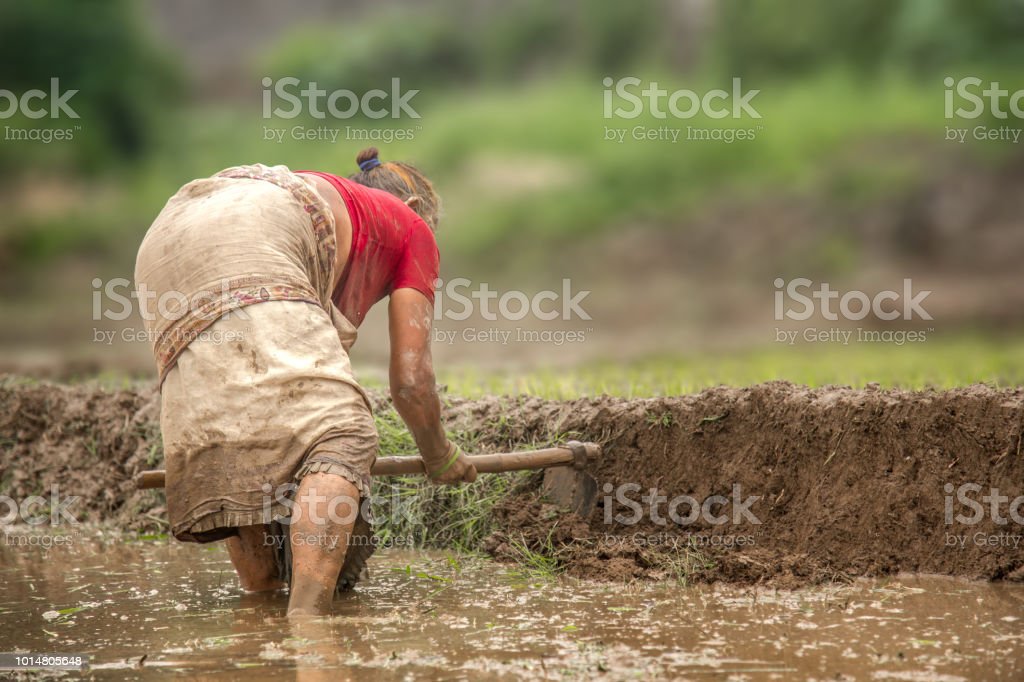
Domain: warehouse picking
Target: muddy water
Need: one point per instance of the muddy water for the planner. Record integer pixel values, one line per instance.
(429, 616)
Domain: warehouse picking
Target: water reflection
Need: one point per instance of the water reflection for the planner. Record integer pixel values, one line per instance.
(138, 607)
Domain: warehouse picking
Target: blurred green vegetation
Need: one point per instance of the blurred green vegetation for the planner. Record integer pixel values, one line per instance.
(555, 124)
(938, 363)
(514, 135)
(515, 86)
(104, 51)
(595, 184)
(796, 37)
(455, 44)
(957, 359)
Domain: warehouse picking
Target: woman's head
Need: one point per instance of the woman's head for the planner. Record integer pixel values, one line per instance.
(402, 180)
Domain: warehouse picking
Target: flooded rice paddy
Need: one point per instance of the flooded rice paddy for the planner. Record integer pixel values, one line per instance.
(147, 607)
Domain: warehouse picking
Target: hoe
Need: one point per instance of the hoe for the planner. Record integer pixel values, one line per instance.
(568, 483)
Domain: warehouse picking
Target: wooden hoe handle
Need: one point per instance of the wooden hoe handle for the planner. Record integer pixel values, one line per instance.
(575, 454)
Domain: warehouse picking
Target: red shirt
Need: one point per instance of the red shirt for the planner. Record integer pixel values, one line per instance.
(392, 248)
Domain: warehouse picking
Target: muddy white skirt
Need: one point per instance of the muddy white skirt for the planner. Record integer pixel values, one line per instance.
(262, 398)
(252, 407)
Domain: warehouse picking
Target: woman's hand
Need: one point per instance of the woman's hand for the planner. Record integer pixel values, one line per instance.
(451, 468)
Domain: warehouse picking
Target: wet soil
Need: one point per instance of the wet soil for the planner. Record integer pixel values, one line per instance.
(143, 608)
(846, 483)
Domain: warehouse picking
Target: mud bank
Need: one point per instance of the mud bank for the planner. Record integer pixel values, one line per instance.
(813, 485)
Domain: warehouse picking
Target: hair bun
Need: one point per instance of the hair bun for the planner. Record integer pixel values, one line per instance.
(367, 159)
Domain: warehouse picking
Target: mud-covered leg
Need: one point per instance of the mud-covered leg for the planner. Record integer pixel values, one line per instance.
(325, 510)
(252, 553)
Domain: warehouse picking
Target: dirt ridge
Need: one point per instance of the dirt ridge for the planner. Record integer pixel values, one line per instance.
(848, 482)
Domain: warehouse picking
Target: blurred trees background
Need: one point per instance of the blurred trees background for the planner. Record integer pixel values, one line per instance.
(849, 176)
(104, 50)
(128, 80)
(794, 37)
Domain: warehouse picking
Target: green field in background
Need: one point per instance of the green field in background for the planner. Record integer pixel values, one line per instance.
(961, 360)
(935, 363)
(530, 163)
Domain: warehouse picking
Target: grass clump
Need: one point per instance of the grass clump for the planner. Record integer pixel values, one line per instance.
(540, 560)
(410, 511)
(684, 564)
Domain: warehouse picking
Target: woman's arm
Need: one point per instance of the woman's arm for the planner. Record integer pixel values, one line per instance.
(413, 387)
